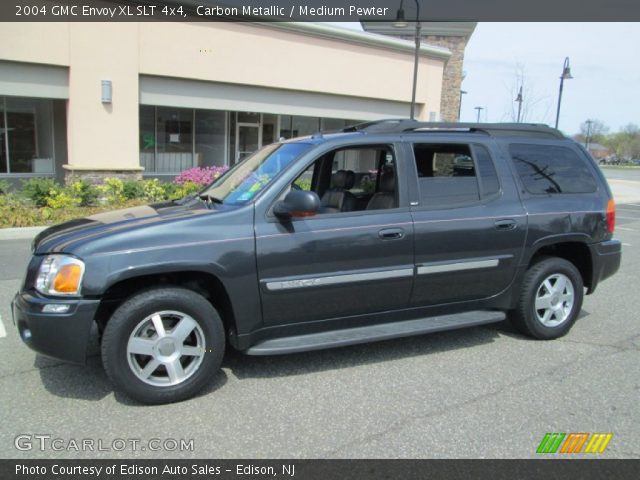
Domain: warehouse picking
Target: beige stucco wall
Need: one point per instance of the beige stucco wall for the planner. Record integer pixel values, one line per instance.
(258, 55)
(105, 136)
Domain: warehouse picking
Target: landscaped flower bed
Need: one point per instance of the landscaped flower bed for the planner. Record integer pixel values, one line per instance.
(42, 201)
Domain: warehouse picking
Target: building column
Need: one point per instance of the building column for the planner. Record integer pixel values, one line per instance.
(103, 136)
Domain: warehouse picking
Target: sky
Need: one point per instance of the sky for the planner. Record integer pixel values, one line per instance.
(604, 60)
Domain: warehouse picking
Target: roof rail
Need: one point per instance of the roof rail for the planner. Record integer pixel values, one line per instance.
(403, 125)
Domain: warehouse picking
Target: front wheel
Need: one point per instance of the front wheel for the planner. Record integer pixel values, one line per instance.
(550, 299)
(163, 345)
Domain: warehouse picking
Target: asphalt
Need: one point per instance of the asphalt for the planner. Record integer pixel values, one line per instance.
(484, 392)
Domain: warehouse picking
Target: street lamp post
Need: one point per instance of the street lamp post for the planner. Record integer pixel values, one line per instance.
(587, 139)
(519, 100)
(462, 92)
(566, 75)
(479, 109)
(402, 23)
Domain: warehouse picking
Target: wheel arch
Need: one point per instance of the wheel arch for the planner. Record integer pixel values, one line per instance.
(573, 248)
(203, 282)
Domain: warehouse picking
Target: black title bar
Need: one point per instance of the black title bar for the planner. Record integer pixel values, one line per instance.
(319, 10)
(548, 469)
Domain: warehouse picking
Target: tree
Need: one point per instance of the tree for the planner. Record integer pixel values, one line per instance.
(592, 131)
(534, 106)
(625, 143)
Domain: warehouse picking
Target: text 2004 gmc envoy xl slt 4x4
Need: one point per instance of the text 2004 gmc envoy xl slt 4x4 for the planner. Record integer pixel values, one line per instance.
(386, 229)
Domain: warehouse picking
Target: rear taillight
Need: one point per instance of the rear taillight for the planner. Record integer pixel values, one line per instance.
(611, 216)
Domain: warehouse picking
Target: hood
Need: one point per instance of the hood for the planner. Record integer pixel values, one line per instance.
(65, 236)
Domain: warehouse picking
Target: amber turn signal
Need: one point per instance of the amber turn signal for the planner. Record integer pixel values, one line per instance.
(68, 279)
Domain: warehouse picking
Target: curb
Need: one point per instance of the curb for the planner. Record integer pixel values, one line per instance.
(20, 233)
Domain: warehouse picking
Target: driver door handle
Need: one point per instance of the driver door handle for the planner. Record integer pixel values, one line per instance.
(391, 233)
(506, 224)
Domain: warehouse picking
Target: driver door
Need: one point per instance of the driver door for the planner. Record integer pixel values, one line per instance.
(337, 264)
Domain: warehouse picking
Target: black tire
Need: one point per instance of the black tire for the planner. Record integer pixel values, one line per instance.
(132, 319)
(530, 320)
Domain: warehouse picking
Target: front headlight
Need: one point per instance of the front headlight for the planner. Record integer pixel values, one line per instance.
(60, 275)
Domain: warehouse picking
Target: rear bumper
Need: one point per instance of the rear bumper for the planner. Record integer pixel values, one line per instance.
(60, 335)
(605, 259)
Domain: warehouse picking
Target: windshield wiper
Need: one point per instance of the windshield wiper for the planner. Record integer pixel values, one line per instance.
(209, 198)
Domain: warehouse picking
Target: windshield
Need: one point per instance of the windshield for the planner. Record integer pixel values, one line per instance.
(249, 177)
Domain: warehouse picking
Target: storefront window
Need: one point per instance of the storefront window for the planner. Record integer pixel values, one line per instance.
(269, 128)
(26, 128)
(302, 126)
(4, 157)
(147, 137)
(210, 137)
(174, 139)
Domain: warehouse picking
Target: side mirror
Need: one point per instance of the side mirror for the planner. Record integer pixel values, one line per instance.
(297, 203)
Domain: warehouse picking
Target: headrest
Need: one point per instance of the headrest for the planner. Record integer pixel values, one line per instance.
(343, 179)
(387, 182)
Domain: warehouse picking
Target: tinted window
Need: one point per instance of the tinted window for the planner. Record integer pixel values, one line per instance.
(551, 169)
(352, 179)
(446, 174)
(487, 172)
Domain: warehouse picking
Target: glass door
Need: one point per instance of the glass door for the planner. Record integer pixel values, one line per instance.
(247, 139)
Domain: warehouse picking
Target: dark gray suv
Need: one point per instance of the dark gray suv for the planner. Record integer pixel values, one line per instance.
(384, 230)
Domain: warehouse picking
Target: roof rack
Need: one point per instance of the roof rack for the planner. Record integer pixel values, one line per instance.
(403, 125)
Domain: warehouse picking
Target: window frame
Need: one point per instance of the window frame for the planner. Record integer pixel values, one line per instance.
(395, 147)
(589, 165)
(419, 203)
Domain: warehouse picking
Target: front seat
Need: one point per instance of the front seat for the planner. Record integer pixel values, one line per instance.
(385, 197)
(338, 198)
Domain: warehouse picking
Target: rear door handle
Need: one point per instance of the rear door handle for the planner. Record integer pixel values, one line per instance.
(506, 224)
(391, 233)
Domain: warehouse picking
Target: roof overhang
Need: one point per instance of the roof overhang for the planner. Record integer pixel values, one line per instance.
(444, 29)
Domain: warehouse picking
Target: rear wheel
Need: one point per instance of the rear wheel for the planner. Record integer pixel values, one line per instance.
(163, 345)
(550, 300)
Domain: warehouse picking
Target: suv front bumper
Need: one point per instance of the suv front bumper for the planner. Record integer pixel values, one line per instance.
(60, 335)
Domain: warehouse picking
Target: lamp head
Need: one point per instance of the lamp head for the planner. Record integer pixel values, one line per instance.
(400, 21)
(566, 70)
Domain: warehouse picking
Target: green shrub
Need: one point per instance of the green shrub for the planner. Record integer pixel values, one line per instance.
(62, 198)
(113, 191)
(19, 215)
(132, 189)
(38, 190)
(153, 190)
(4, 187)
(171, 190)
(85, 193)
(188, 188)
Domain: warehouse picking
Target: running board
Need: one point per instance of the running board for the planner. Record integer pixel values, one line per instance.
(385, 331)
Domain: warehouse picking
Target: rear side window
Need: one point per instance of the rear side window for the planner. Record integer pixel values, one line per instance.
(448, 174)
(548, 169)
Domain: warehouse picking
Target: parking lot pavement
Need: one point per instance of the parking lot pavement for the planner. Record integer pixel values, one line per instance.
(624, 183)
(481, 392)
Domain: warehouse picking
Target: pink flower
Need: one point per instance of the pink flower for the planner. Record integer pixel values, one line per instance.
(200, 175)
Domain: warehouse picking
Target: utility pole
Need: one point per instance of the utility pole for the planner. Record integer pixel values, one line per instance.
(479, 109)
(587, 139)
(462, 92)
(519, 100)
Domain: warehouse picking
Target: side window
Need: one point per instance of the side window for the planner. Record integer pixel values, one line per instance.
(548, 169)
(486, 171)
(446, 174)
(352, 179)
(303, 182)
